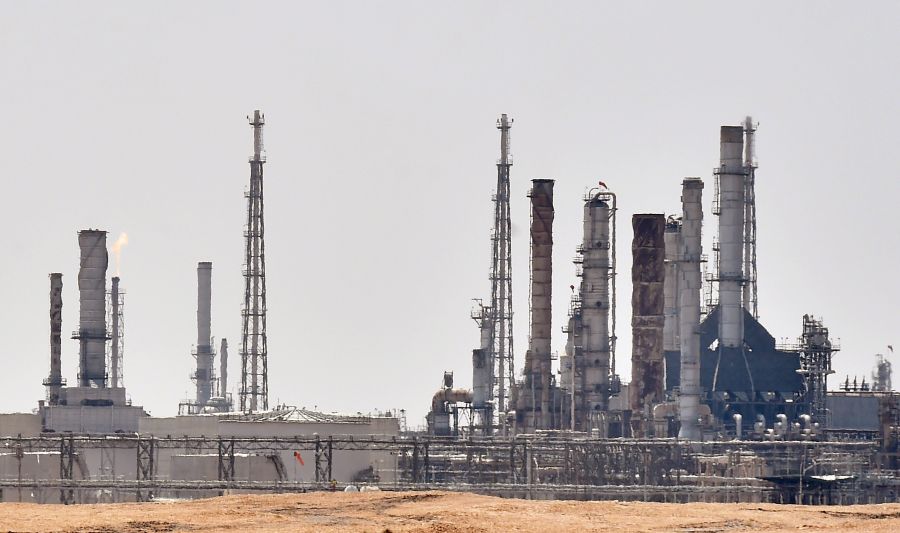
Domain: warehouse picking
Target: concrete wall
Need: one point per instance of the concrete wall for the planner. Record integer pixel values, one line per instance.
(852, 411)
(25, 424)
(34, 466)
(93, 419)
(179, 426)
(205, 467)
(345, 465)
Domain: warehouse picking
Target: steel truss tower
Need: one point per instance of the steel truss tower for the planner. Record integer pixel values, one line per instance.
(117, 344)
(501, 284)
(254, 391)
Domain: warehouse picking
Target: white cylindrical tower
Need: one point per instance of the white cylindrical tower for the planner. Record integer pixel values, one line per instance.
(92, 308)
(482, 365)
(731, 237)
(595, 306)
(689, 307)
(670, 289)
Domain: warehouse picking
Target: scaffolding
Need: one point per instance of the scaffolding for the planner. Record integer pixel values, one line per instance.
(254, 393)
(544, 465)
(117, 334)
(816, 350)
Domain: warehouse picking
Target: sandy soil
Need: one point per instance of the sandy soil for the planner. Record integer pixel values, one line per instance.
(436, 512)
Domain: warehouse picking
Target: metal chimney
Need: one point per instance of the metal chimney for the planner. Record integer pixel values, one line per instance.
(689, 307)
(541, 292)
(204, 352)
(223, 370)
(731, 236)
(55, 381)
(647, 304)
(115, 371)
(92, 332)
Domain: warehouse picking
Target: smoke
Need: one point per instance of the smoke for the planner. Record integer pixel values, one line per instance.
(117, 249)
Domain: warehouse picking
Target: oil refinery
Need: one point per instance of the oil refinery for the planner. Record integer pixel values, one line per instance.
(714, 408)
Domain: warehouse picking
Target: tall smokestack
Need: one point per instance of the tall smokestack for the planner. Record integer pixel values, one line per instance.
(595, 306)
(731, 236)
(204, 373)
(114, 370)
(648, 274)
(92, 308)
(54, 382)
(689, 307)
(541, 293)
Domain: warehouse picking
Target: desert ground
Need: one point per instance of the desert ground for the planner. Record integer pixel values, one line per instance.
(437, 512)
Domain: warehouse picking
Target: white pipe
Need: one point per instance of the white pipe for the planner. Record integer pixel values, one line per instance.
(731, 236)
(223, 370)
(738, 421)
(92, 308)
(749, 213)
(689, 307)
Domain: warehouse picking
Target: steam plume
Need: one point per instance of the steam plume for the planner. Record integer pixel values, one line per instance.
(117, 249)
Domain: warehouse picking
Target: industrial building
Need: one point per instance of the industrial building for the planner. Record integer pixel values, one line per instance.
(704, 369)
(714, 408)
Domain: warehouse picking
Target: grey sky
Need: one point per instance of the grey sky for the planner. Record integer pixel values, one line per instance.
(381, 147)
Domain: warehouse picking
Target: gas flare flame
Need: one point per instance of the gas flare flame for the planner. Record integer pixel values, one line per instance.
(117, 249)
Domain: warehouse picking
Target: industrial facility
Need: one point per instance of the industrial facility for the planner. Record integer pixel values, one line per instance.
(714, 409)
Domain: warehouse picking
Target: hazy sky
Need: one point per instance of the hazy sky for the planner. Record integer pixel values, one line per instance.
(381, 151)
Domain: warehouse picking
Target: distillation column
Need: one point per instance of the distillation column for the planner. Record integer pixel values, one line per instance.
(482, 371)
(55, 381)
(648, 274)
(731, 237)
(595, 306)
(204, 352)
(671, 290)
(689, 307)
(541, 292)
(91, 332)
